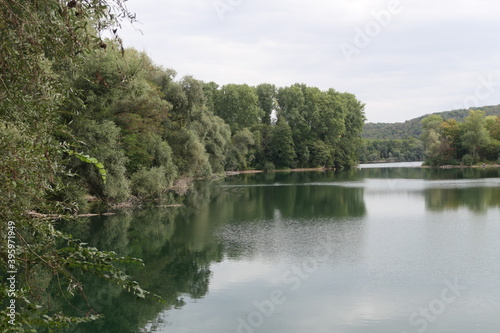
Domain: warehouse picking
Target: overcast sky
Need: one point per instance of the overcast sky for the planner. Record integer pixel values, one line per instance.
(403, 58)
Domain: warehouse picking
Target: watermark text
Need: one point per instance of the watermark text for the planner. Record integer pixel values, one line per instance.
(11, 272)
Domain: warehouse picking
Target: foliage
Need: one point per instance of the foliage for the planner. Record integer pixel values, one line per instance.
(468, 160)
(266, 94)
(35, 79)
(238, 106)
(189, 153)
(475, 135)
(83, 119)
(215, 135)
(238, 156)
(91, 160)
(149, 183)
(269, 166)
(326, 125)
(392, 133)
(471, 141)
(394, 150)
(413, 128)
(282, 145)
(102, 141)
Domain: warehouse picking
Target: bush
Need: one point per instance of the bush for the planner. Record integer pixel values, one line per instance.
(468, 160)
(149, 183)
(102, 141)
(269, 166)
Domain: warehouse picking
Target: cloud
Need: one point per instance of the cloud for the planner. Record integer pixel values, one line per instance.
(430, 53)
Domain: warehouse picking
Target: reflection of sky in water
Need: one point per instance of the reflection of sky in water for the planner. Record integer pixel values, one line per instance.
(382, 267)
(387, 184)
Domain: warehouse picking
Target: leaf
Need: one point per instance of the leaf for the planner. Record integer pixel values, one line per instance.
(91, 160)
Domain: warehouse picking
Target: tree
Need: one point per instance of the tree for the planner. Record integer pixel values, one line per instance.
(43, 44)
(102, 140)
(449, 141)
(451, 133)
(238, 106)
(291, 103)
(433, 140)
(266, 94)
(334, 118)
(432, 122)
(282, 145)
(189, 153)
(349, 134)
(493, 126)
(475, 134)
(215, 135)
(263, 135)
(239, 152)
(321, 154)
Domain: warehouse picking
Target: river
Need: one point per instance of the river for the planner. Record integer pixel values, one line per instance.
(383, 248)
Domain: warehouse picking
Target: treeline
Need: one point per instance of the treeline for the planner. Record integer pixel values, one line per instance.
(392, 150)
(476, 139)
(148, 129)
(401, 142)
(413, 128)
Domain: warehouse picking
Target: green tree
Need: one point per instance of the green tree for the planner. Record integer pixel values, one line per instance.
(282, 145)
(149, 183)
(42, 46)
(334, 118)
(452, 132)
(433, 139)
(238, 106)
(291, 103)
(475, 134)
(266, 94)
(189, 153)
(215, 135)
(263, 135)
(493, 126)
(321, 154)
(349, 133)
(102, 140)
(239, 154)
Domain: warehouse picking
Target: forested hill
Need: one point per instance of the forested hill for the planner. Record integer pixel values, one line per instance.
(413, 128)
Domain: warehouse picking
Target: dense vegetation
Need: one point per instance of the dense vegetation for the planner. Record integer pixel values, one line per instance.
(148, 129)
(413, 128)
(84, 120)
(476, 139)
(392, 150)
(399, 142)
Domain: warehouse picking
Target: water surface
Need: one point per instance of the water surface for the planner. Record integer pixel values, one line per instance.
(366, 250)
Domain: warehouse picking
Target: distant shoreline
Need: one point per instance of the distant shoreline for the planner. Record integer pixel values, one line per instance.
(243, 172)
(460, 166)
(250, 172)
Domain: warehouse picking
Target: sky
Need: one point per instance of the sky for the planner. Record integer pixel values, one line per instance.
(402, 58)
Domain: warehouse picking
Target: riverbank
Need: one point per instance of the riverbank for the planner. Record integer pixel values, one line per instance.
(461, 166)
(233, 173)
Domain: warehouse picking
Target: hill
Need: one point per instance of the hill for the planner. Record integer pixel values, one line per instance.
(412, 128)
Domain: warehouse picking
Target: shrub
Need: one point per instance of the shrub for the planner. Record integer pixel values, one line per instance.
(149, 183)
(269, 166)
(468, 160)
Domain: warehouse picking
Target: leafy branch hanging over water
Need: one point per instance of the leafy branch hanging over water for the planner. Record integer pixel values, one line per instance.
(92, 160)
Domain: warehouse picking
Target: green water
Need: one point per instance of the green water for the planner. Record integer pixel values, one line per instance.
(366, 250)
